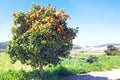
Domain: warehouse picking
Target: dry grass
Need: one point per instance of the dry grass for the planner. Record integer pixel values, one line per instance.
(96, 53)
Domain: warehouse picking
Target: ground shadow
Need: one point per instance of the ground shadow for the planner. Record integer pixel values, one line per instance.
(84, 77)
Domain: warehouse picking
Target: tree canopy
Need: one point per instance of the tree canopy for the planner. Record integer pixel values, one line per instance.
(40, 35)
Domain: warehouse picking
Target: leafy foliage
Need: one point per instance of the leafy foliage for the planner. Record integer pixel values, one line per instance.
(50, 74)
(19, 75)
(92, 59)
(40, 36)
(111, 50)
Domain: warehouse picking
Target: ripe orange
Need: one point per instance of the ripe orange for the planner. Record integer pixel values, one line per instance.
(60, 19)
(58, 14)
(66, 16)
(35, 15)
(61, 27)
(48, 18)
(42, 9)
(39, 12)
(58, 29)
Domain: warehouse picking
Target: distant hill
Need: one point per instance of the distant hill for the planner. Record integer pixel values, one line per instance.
(104, 45)
(98, 48)
(76, 47)
(3, 45)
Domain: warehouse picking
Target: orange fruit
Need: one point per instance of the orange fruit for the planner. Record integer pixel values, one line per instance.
(66, 16)
(58, 29)
(35, 15)
(46, 33)
(38, 16)
(52, 20)
(61, 27)
(42, 9)
(48, 18)
(58, 14)
(39, 12)
(60, 19)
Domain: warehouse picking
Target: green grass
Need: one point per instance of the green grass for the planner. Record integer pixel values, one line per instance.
(76, 65)
(5, 64)
(104, 63)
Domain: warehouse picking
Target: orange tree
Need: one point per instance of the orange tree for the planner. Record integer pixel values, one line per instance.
(40, 37)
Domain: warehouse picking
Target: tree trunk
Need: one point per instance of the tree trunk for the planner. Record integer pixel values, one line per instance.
(41, 70)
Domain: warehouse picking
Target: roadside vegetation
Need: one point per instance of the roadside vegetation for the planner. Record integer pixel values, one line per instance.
(80, 63)
(112, 50)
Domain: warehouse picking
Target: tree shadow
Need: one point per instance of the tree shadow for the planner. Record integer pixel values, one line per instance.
(84, 77)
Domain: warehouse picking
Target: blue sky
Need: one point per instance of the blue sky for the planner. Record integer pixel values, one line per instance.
(98, 20)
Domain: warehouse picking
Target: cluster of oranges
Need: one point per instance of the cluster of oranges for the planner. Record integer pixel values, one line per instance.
(44, 16)
(59, 29)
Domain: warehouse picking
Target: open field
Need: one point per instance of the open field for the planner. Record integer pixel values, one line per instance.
(92, 53)
(76, 65)
(5, 64)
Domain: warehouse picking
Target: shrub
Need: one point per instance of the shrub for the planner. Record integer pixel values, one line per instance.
(12, 75)
(92, 59)
(62, 71)
(111, 50)
(20, 75)
(49, 74)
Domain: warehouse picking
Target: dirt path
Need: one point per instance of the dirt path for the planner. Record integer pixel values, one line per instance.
(108, 75)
